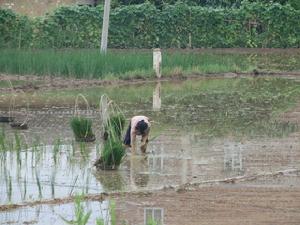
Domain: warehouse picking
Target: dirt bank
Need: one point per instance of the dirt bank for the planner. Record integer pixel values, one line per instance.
(31, 83)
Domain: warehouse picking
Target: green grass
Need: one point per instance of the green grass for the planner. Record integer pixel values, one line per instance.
(127, 64)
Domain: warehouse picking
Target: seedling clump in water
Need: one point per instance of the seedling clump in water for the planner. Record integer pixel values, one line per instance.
(82, 129)
(115, 126)
(113, 150)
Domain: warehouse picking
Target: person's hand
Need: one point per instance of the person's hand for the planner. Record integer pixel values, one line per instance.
(144, 147)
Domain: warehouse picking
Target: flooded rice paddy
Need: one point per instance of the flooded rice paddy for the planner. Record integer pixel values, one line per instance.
(221, 151)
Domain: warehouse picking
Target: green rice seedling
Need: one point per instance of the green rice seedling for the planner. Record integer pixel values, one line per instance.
(2, 140)
(112, 213)
(18, 148)
(73, 185)
(26, 152)
(112, 154)
(100, 221)
(115, 126)
(112, 210)
(87, 182)
(38, 182)
(130, 64)
(83, 151)
(56, 149)
(113, 150)
(73, 148)
(81, 217)
(152, 221)
(25, 188)
(9, 188)
(82, 129)
(53, 183)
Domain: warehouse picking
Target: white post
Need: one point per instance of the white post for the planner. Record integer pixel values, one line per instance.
(105, 26)
(157, 62)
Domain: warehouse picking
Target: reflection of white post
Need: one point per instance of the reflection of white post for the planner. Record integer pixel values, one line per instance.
(154, 214)
(132, 173)
(233, 156)
(186, 147)
(157, 62)
(157, 98)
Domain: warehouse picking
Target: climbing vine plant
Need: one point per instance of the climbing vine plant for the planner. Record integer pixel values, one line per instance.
(253, 24)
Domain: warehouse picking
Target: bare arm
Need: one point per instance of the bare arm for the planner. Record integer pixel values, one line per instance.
(145, 141)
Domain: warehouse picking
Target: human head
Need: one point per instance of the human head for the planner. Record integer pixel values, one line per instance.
(141, 126)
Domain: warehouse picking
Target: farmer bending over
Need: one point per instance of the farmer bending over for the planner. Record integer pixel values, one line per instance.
(139, 125)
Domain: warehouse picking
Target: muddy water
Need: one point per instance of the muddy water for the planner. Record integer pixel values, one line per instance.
(192, 142)
(47, 214)
(172, 160)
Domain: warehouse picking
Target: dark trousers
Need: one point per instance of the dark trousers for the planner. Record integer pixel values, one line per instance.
(127, 139)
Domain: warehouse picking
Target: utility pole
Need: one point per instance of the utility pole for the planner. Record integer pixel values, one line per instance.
(105, 27)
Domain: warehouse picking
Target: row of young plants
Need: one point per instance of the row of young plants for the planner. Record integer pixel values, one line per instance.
(254, 24)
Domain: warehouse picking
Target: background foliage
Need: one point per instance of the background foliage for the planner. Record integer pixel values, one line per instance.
(179, 25)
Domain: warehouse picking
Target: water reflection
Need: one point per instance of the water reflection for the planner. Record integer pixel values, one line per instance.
(153, 216)
(139, 172)
(157, 97)
(233, 161)
(173, 158)
(111, 180)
